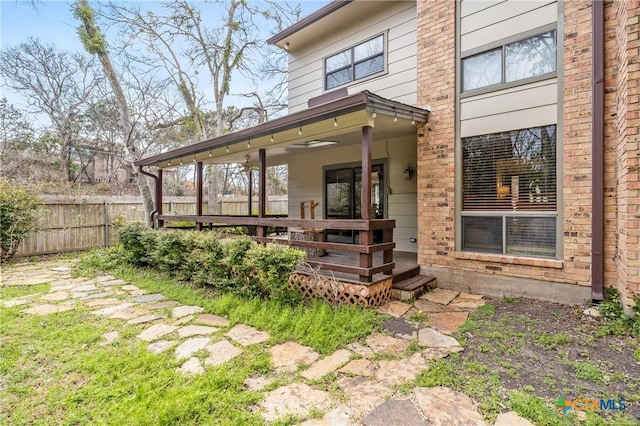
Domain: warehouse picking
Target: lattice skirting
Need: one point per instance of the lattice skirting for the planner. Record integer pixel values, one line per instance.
(339, 292)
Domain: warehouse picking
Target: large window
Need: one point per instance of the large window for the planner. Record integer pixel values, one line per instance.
(510, 62)
(509, 192)
(360, 61)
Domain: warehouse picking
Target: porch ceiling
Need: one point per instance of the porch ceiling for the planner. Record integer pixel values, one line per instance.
(340, 121)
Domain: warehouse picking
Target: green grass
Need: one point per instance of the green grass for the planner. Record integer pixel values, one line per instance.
(587, 371)
(12, 292)
(550, 341)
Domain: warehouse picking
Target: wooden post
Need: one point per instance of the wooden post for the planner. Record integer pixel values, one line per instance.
(199, 194)
(159, 197)
(262, 189)
(365, 193)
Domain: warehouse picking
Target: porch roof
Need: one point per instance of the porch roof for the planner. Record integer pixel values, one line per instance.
(339, 120)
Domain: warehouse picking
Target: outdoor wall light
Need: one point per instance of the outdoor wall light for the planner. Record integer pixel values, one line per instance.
(300, 131)
(249, 143)
(408, 172)
(335, 121)
(271, 137)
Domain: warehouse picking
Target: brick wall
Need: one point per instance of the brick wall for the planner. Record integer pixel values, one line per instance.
(436, 151)
(626, 146)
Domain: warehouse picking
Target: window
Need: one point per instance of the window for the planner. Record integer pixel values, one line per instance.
(358, 62)
(510, 62)
(509, 192)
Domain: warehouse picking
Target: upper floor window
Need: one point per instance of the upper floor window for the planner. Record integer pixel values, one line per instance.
(360, 61)
(510, 62)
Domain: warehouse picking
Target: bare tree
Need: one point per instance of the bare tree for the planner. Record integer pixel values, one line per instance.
(56, 84)
(94, 42)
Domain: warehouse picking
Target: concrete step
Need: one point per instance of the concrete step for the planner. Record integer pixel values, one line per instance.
(412, 288)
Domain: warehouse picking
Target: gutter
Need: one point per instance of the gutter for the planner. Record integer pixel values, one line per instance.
(597, 156)
(156, 181)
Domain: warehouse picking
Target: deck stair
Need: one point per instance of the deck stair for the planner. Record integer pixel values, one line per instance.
(411, 285)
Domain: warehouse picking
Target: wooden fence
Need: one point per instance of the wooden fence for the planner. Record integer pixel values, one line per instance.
(74, 224)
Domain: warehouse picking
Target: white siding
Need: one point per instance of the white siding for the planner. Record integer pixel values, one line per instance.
(306, 183)
(515, 108)
(306, 78)
(500, 20)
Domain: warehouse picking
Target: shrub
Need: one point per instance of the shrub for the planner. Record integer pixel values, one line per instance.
(270, 266)
(172, 252)
(137, 241)
(205, 261)
(18, 214)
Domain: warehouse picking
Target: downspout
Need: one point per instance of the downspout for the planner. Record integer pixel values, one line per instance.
(155, 180)
(597, 165)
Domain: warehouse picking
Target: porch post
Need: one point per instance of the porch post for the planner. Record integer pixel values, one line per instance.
(366, 237)
(250, 190)
(262, 189)
(159, 198)
(199, 194)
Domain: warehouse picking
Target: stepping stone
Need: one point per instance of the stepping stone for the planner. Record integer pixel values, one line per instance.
(400, 327)
(85, 288)
(434, 339)
(191, 367)
(296, 399)
(104, 278)
(257, 383)
(327, 365)
(109, 338)
(467, 303)
(402, 370)
(181, 311)
(16, 302)
(160, 346)
(339, 416)
(110, 310)
(438, 353)
(439, 295)
(381, 344)
(145, 319)
(128, 287)
(511, 419)
(156, 331)
(162, 305)
(103, 302)
(221, 352)
(196, 330)
(98, 295)
(359, 367)
(360, 349)
(42, 279)
(148, 298)
(212, 320)
(246, 335)
(289, 355)
(61, 269)
(364, 394)
(129, 313)
(447, 322)
(114, 282)
(183, 320)
(394, 308)
(47, 309)
(445, 407)
(394, 412)
(427, 306)
(191, 346)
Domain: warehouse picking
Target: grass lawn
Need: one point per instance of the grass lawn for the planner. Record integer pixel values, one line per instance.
(55, 370)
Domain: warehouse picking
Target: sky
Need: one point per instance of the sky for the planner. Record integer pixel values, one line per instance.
(52, 21)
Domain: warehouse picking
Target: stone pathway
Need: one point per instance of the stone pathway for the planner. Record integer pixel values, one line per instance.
(365, 374)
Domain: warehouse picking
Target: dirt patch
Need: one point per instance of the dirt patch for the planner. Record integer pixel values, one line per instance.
(553, 351)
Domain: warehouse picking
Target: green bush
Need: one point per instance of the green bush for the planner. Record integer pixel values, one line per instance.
(270, 267)
(137, 241)
(19, 208)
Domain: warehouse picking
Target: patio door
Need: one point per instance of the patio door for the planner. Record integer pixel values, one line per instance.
(342, 196)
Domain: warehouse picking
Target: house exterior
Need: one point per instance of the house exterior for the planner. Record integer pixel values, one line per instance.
(499, 139)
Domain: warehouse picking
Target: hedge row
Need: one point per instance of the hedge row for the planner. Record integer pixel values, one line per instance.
(238, 264)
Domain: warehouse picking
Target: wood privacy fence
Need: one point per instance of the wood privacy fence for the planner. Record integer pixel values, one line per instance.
(80, 223)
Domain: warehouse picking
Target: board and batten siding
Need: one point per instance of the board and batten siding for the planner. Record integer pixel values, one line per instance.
(307, 183)
(398, 21)
(485, 23)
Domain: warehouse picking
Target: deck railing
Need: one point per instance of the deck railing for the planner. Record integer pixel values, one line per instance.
(365, 248)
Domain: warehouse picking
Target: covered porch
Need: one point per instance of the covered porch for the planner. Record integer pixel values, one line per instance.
(331, 121)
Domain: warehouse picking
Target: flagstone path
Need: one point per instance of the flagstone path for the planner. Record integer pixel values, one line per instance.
(366, 373)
